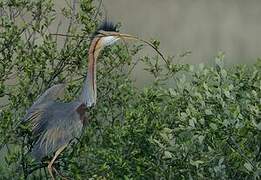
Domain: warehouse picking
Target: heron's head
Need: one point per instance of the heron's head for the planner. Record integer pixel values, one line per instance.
(106, 35)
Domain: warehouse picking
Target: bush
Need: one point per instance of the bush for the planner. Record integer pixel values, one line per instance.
(205, 126)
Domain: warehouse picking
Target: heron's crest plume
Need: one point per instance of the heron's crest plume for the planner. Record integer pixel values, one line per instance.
(107, 26)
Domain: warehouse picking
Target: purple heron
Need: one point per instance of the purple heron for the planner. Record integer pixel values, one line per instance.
(54, 123)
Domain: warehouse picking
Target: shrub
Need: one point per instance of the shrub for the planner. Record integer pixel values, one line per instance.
(195, 122)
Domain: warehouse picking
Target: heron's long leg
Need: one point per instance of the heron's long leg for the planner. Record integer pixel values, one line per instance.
(54, 158)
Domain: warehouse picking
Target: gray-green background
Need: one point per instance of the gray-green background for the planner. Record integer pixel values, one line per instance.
(204, 27)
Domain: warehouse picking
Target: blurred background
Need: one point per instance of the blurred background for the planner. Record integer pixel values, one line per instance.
(204, 27)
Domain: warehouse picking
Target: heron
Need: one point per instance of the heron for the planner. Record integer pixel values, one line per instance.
(53, 123)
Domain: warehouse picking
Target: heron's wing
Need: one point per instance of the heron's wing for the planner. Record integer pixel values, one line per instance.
(54, 124)
(47, 115)
(51, 94)
(49, 142)
(37, 117)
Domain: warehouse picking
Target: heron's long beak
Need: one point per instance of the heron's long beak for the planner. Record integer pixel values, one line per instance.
(124, 37)
(117, 36)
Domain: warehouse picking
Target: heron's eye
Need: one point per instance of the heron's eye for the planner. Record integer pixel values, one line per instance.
(109, 40)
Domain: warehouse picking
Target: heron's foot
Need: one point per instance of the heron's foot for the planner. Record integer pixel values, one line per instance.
(59, 174)
(50, 169)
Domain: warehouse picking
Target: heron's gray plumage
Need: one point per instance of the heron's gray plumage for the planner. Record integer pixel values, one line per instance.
(54, 123)
(51, 94)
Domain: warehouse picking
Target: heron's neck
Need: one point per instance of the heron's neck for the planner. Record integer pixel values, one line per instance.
(89, 90)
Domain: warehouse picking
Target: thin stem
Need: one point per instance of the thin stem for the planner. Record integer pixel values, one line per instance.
(98, 10)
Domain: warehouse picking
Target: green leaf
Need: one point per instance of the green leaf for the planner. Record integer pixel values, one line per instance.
(208, 112)
(201, 138)
(196, 163)
(257, 125)
(213, 126)
(248, 166)
(192, 123)
(167, 155)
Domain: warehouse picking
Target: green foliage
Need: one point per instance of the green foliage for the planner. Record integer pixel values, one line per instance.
(205, 126)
